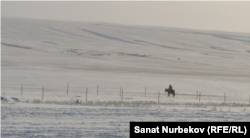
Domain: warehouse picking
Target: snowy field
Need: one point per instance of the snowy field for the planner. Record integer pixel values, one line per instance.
(37, 120)
(37, 54)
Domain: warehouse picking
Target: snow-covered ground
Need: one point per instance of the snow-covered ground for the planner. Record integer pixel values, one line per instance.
(52, 54)
(36, 120)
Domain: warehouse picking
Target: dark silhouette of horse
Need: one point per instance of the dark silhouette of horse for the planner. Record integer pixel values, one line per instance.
(170, 91)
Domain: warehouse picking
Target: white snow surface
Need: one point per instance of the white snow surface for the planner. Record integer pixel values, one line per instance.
(30, 120)
(52, 54)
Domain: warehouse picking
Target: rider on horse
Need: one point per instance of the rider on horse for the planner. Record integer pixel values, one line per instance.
(170, 87)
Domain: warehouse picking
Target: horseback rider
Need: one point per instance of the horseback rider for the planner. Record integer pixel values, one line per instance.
(170, 90)
(170, 87)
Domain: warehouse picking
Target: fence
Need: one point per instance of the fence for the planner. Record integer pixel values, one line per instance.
(113, 94)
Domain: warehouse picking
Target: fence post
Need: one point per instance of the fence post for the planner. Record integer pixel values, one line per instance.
(97, 90)
(68, 89)
(199, 97)
(21, 89)
(42, 93)
(158, 96)
(145, 91)
(86, 93)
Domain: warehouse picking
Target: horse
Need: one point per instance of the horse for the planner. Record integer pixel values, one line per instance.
(170, 91)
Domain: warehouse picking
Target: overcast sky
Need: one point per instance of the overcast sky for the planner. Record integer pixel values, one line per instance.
(224, 16)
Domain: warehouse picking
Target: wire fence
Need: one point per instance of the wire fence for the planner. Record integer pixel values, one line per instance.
(115, 94)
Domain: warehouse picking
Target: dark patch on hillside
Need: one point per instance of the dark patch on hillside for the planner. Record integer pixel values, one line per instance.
(16, 46)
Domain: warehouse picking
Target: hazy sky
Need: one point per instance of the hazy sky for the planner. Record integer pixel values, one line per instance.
(226, 16)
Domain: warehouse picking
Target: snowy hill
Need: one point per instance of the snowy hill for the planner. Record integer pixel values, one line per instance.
(117, 74)
(150, 49)
(84, 53)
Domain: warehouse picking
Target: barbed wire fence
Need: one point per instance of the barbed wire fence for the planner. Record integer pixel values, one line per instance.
(50, 92)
